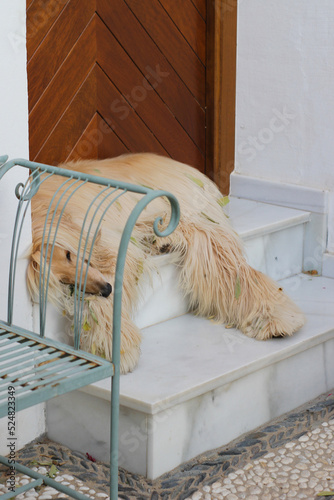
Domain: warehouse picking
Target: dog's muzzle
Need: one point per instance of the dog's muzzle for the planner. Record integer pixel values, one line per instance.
(106, 290)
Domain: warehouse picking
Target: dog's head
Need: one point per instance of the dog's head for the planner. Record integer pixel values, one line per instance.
(63, 270)
(65, 266)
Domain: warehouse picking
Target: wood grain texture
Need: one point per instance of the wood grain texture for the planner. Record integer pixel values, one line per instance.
(221, 84)
(87, 144)
(123, 119)
(156, 69)
(56, 45)
(63, 87)
(107, 77)
(139, 101)
(189, 22)
(74, 120)
(92, 143)
(172, 44)
(139, 94)
(40, 20)
(201, 6)
(113, 146)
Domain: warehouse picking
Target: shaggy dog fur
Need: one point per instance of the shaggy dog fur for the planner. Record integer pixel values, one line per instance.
(215, 276)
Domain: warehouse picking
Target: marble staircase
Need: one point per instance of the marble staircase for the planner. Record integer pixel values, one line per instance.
(199, 385)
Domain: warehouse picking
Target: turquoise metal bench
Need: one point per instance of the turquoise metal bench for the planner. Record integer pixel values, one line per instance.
(35, 368)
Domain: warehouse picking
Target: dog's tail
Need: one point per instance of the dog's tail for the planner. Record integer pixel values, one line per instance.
(221, 285)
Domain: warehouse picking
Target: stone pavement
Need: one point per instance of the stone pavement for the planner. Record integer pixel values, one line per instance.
(291, 457)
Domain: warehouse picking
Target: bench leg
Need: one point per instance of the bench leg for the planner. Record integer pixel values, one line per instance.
(114, 420)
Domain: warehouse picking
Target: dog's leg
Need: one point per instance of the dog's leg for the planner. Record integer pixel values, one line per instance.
(96, 336)
(130, 345)
(221, 285)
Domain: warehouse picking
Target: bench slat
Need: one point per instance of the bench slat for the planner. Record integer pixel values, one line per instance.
(25, 361)
(24, 379)
(39, 372)
(35, 370)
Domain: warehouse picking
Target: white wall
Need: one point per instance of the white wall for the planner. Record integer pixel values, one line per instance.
(286, 66)
(13, 126)
(14, 142)
(285, 98)
(13, 81)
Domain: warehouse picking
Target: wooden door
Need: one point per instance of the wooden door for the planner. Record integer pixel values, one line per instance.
(107, 77)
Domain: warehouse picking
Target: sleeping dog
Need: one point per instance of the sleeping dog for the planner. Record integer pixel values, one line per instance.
(215, 277)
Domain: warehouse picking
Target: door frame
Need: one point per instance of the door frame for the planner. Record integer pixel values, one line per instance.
(221, 90)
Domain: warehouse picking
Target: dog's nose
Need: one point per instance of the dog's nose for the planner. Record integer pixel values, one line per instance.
(106, 291)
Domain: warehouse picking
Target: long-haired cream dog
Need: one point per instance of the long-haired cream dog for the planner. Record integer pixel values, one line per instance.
(215, 276)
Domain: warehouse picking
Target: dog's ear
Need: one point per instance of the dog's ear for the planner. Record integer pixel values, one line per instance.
(33, 273)
(35, 259)
(103, 256)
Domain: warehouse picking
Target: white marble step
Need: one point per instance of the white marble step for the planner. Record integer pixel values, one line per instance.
(198, 386)
(274, 240)
(273, 235)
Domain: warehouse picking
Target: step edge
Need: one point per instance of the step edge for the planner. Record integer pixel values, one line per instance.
(279, 193)
(297, 220)
(158, 406)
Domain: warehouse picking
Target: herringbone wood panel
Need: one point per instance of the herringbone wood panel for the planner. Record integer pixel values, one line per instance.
(110, 77)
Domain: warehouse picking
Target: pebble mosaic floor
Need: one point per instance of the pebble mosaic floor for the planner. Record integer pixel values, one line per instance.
(292, 457)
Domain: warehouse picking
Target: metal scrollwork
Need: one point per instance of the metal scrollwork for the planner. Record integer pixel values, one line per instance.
(25, 192)
(18, 192)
